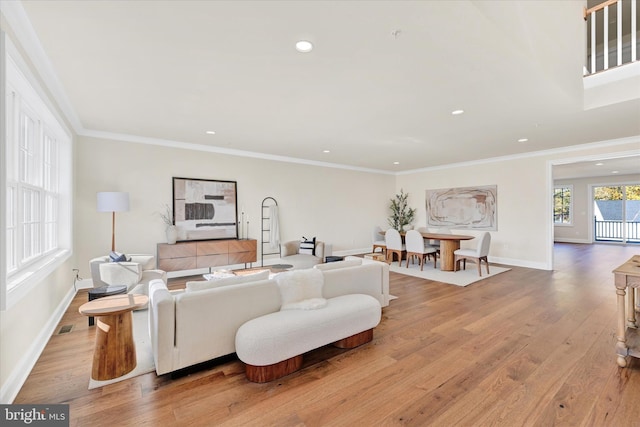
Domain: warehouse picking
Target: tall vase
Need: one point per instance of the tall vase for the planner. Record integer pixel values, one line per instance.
(172, 234)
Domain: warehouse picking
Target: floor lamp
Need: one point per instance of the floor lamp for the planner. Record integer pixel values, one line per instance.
(113, 201)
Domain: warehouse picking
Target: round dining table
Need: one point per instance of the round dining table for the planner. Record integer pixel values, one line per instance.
(449, 243)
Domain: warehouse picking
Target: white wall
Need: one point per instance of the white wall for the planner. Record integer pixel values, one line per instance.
(580, 231)
(521, 207)
(337, 206)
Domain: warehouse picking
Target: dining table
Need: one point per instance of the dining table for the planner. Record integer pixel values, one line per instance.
(449, 243)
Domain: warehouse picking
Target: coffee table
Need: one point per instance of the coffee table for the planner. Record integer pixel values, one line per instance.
(115, 352)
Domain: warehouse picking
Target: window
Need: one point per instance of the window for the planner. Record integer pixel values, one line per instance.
(562, 205)
(36, 181)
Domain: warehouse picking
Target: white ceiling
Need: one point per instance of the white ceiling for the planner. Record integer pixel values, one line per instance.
(378, 88)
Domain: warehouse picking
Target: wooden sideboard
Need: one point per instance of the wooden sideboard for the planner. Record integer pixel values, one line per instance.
(206, 254)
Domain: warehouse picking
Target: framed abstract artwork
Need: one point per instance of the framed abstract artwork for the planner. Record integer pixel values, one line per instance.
(463, 207)
(205, 208)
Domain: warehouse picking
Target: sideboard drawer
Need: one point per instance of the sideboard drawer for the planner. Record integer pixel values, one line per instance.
(206, 254)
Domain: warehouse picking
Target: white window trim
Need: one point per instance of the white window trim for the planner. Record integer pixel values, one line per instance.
(16, 287)
(570, 223)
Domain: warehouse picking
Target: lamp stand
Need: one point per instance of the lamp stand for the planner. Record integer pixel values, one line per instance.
(113, 231)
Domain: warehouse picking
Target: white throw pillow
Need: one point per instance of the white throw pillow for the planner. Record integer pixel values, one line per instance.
(306, 304)
(300, 285)
(307, 246)
(210, 284)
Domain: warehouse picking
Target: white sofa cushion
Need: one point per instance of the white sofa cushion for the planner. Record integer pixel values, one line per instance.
(202, 285)
(297, 286)
(275, 337)
(338, 264)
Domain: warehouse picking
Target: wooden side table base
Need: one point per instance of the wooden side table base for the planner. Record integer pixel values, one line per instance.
(114, 354)
(115, 351)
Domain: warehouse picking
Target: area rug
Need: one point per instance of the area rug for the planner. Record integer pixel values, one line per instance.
(458, 278)
(143, 350)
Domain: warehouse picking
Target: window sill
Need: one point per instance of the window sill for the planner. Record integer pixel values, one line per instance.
(19, 284)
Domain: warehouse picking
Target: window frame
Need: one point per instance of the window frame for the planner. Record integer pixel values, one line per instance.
(51, 182)
(568, 187)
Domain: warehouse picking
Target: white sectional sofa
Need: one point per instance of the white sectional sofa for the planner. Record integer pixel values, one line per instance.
(200, 323)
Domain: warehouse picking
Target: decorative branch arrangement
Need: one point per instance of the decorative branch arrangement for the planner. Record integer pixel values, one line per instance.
(166, 215)
(401, 213)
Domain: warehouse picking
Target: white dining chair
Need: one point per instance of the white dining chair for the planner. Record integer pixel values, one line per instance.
(379, 240)
(416, 247)
(479, 254)
(394, 245)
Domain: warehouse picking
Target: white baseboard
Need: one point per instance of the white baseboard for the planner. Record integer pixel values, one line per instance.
(567, 240)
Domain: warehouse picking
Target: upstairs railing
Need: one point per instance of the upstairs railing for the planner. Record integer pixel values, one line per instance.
(612, 35)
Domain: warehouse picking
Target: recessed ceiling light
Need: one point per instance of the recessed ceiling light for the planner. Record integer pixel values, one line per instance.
(599, 164)
(615, 171)
(523, 139)
(326, 151)
(210, 132)
(457, 112)
(396, 163)
(304, 46)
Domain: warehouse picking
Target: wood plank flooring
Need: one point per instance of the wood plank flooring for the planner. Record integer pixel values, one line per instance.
(526, 347)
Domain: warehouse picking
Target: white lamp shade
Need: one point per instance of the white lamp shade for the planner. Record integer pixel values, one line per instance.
(113, 201)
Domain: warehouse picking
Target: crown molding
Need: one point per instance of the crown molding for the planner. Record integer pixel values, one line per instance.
(559, 150)
(219, 150)
(27, 38)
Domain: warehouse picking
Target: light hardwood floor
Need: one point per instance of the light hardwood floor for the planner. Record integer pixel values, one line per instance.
(526, 347)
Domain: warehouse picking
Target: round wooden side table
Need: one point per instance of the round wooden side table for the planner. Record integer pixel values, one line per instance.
(114, 354)
(104, 291)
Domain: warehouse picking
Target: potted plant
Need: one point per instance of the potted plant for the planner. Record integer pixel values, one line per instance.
(401, 213)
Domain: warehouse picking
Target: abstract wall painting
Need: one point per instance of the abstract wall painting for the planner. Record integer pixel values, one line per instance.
(205, 209)
(463, 207)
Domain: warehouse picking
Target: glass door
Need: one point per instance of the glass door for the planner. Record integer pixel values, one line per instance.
(616, 212)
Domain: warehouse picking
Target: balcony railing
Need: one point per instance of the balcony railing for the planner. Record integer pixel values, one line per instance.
(613, 231)
(612, 35)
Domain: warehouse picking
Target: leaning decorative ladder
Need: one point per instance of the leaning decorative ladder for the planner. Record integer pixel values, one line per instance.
(265, 228)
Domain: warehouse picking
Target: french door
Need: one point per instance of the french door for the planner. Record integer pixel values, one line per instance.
(616, 211)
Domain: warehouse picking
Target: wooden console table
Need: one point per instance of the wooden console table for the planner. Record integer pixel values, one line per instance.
(627, 281)
(206, 254)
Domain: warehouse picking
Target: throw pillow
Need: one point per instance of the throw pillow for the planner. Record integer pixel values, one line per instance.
(117, 257)
(227, 281)
(300, 285)
(306, 304)
(308, 246)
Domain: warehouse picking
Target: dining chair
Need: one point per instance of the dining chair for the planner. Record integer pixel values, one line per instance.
(379, 240)
(416, 247)
(394, 245)
(479, 254)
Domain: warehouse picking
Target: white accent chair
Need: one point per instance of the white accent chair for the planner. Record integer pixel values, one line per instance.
(394, 246)
(416, 247)
(378, 240)
(479, 254)
(135, 274)
(290, 254)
